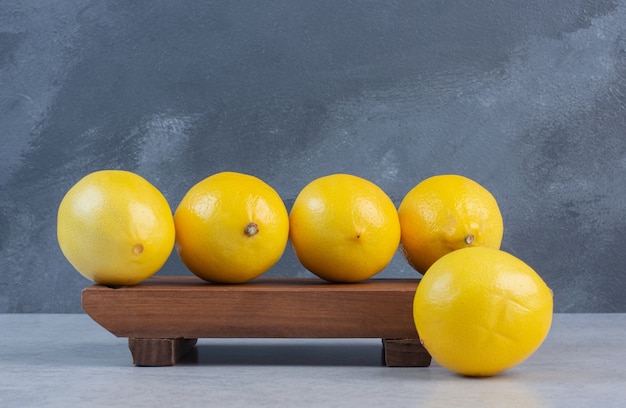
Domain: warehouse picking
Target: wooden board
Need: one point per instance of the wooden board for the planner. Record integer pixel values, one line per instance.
(158, 314)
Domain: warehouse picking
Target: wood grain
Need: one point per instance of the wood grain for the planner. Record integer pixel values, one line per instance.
(405, 353)
(159, 352)
(187, 307)
(164, 315)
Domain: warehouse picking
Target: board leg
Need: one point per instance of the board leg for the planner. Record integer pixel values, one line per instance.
(405, 353)
(159, 352)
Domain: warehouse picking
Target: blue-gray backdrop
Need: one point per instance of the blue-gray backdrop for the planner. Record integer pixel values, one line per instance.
(526, 97)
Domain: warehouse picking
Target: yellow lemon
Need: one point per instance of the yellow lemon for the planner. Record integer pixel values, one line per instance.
(444, 213)
(115, 227)
(230, 228)
(480, 311)
(344, 228)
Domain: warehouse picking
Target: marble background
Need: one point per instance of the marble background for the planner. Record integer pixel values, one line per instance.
(526, 97)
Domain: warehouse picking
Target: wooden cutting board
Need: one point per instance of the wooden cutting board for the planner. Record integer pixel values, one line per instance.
(164, 316)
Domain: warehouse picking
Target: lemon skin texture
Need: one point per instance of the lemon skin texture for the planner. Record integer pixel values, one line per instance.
(480, 311)
(115, 228)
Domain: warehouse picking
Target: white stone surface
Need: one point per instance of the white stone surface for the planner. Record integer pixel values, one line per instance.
(49, 360)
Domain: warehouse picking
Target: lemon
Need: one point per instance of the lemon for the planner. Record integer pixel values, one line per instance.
(115, 228)
(344, 228)
(480, 311)
(444, 213)
(231, 227)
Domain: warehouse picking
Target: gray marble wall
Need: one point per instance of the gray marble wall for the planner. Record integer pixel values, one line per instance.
(526, 97)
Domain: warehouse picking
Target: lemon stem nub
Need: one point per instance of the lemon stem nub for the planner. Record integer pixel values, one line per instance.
(469, 239)
(138, 249)
(251, 229)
